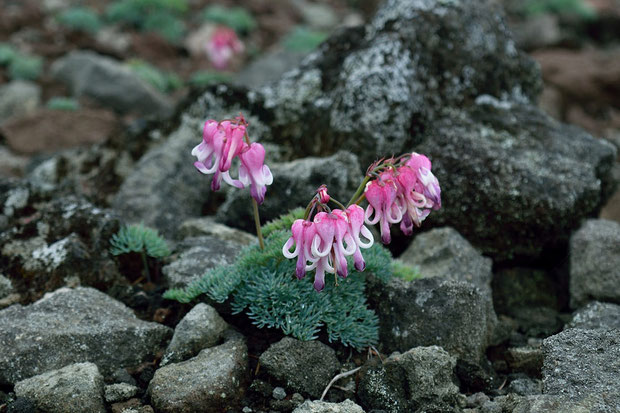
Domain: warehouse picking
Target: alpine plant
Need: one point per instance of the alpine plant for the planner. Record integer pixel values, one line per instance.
(398, 190)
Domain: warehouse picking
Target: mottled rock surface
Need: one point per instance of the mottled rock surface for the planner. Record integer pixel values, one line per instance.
(71, 326)
(18, 98)
(201, 328)
(302, 366)
(580, 364)
(419, 380)
(72, 389)
(213, 381)
(199, 255)
(119, 392)
(196, 227)
(595, 262)
(431, 311)
(346, 406)
(596, 315)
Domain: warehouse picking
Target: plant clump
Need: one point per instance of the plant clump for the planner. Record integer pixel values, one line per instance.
(139, 239)
(20, 66)
(82, 19)
(160, 16)
(261, 284)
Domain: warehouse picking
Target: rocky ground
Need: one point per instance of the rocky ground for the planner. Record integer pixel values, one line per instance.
(518, 306)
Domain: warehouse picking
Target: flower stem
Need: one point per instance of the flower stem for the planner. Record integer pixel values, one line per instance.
(360, 191)
(259, 233)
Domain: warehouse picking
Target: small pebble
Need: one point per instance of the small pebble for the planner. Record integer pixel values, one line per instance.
(247, 409)
(279, 393)
(297, 399)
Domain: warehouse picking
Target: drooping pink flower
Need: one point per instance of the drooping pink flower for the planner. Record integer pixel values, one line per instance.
(221, 143)
(324, 243)
(303, 235)
(254, 172)
(381, 195)
(356, 216)
(223, 46)
(427, 184)
(323, 195)
(411, 202)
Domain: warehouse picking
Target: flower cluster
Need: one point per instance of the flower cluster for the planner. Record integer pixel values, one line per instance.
(402, 194)
(403, 190)
(221, 143)
(324, 243)
(223, 46)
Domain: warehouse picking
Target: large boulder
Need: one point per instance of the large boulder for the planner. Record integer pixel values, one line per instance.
(72, 326)
(110, 83)
(595, 262)
(596, 315)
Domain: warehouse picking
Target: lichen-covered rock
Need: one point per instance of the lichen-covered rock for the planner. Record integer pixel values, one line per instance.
(294, 184)
(346, 406)
(523, 181)
(594, 403)
(119, 392)
(61, 242)
(213, 381)
(581, 363)
(419, 380)
(595, 263)
(596, 315)
(72, 389)
(199, 255)
(73, 326)
(302, 366)
(110, 83)
(201, 328)
(431, 311)
(6, 287)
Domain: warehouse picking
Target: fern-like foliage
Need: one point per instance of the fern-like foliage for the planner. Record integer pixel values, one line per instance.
(140, 239)
(262, 284)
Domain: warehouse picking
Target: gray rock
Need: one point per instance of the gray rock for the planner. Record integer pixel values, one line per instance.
(294, 184)
(196, 227)
(119, 392)
(18, 98)
(581, 363)
(194, 261)
(302, 366)
(538, 31)
(213, 381)
(316, 15)
(595, 262)
(346, 406)
(419, 380)
(72, 389)
(201, 328)
(596, 315)
(67, 243)
(525, 387)
(110, 83)
(72, 326)
(444, 253)
(516, 157)
(268, 68)
(431, 311)
(279, 393)
(6, 287)
(559, 404)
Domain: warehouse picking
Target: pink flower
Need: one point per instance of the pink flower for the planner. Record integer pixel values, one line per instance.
(254, 172)
(303, 235)
(221, 142)
(381, 195)
(410, 200)
(427, 184)
(223, 46)
(323, 195)
(325, 243)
